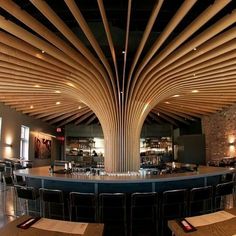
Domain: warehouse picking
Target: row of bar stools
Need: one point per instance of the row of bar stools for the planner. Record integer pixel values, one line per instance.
(51, 204)
(108, 208)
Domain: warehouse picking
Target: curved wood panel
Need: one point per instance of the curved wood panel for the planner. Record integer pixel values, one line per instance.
(119, 62)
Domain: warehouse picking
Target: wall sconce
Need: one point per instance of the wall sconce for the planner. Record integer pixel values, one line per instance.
(7, 145)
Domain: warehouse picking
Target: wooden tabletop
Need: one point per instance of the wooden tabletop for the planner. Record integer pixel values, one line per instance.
(11, 229)
(223, 228)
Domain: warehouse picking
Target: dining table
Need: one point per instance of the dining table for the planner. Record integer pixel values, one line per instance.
(50, 227)
(220, 223)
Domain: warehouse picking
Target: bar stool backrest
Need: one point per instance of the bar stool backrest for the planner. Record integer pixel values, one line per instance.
(224, 188)
(51, 195)
(26, 192)
(144, 205)
(112, 207)
(83, 206)
(221, 191)
(52, 203)
(112, 212)
(2, 167)
(174, 203)
(200, 200)
(144, 212)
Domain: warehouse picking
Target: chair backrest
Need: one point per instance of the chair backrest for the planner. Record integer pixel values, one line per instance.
(174, 204)
(83, 206)
(144, 206)
(201, 193)
(112, 207)
(200, 200)
(224, 188)
(221, 191)
(8, 180)
(2, 167)
(144, 199)
(29, 193)
(51, 195)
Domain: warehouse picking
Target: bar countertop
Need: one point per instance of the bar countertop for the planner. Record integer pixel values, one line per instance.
(43, 173)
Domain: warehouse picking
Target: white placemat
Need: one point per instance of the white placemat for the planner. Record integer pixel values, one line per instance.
(61, 226)
(208, 219)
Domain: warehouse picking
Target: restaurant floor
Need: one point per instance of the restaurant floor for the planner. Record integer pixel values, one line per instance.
(7, 212)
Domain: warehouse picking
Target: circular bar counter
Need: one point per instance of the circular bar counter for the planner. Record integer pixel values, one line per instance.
(41, 177)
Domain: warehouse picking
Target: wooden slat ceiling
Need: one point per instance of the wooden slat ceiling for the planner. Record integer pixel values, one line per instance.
(71, 61)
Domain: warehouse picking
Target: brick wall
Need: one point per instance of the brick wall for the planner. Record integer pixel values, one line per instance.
(220, 131)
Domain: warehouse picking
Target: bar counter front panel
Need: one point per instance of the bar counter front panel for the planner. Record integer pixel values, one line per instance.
(40, 177)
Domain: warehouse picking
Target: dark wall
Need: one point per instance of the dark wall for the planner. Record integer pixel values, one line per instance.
(191, 149)
(95, 130)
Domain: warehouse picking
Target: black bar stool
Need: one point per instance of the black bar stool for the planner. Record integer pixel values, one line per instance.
(83, 207)
(221, 192)
(112, 212)
(7, 190)
(200, 200)
(173, 205)
(143, 215)
(52, 203)
(26, 196)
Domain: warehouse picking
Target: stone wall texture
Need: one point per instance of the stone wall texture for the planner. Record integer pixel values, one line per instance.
(220, 133)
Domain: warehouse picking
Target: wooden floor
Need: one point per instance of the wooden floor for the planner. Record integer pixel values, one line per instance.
(7, 205)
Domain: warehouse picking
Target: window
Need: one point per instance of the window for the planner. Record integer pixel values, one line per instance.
(0, 128)
(24, 143)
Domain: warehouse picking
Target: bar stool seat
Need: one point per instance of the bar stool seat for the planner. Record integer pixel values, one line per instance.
(52, 203)
(25, 196)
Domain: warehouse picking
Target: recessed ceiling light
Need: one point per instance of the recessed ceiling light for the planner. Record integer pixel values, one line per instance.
(195, 91)
(58, 103)
(158, 113)
(176, 95)
(57, 91)
(79, 107)
(70, 84)
(31, 107)
(167, 102)
(37, 86)
(195, 49)
(43, 51)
